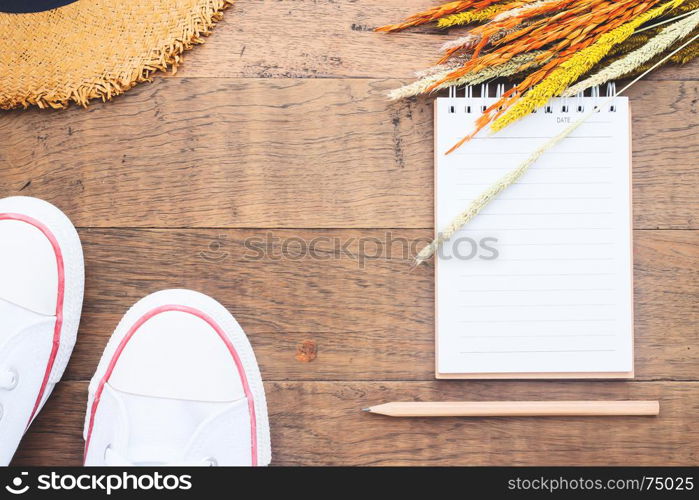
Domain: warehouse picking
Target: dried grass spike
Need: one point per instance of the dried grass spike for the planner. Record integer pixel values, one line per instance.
(435, 13)
(579, 64)
(470, 17)
(656, 45)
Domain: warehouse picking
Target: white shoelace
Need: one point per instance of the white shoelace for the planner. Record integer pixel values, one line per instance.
(114, 458)
(8, 379)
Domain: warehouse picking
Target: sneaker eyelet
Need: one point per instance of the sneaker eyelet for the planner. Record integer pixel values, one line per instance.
(15, 380)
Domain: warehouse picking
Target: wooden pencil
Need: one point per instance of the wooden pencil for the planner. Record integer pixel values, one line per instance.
(517, 409)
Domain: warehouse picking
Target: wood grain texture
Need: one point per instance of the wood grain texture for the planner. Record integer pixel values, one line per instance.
(369, 314)
(328, 38)
(291, 153)
(305, 418)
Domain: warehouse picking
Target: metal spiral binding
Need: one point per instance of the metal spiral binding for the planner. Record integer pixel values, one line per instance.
(568, 104)
(485, 94)
(611, 92)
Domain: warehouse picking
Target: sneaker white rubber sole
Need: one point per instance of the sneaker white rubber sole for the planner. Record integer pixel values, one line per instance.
(230, 332)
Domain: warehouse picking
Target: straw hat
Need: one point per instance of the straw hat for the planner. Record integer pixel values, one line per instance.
(87, 49)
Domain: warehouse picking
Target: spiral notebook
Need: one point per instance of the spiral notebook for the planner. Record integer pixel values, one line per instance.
(539, 284)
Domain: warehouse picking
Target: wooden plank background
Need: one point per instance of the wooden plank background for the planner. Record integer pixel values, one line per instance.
(278, 127)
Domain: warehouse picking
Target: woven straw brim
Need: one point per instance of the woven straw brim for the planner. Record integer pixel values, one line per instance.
(96, 48)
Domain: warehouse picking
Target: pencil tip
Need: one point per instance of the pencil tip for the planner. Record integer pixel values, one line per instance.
(366, 409)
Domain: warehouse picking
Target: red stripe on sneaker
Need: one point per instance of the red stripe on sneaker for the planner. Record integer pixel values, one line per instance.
(221, 334)
(59, 301)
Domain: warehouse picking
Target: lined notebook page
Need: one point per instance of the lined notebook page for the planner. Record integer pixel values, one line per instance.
(540, 282)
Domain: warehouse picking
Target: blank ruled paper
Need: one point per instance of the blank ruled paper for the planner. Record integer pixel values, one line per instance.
(540, 282)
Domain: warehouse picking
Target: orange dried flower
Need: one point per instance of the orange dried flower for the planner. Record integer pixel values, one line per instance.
(436, 12)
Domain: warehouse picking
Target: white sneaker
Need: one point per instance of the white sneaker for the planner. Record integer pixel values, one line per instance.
(177, 384)
(41, 294)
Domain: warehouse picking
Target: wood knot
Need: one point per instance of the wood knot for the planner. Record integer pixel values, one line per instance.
(306, 351)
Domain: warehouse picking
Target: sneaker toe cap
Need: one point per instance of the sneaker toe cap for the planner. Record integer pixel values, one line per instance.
(178, 355)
